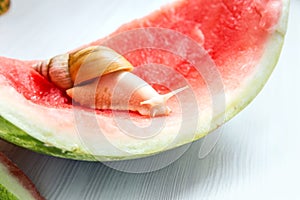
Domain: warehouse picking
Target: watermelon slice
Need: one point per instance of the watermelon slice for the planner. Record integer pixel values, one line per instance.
(14, 184)
(223, 50)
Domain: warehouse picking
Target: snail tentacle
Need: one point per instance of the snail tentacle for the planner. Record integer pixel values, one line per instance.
(162, 99)
(158, 103)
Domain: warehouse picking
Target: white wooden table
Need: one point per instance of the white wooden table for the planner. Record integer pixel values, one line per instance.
(257, 156)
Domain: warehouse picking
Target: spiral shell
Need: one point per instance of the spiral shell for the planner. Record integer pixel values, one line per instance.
(68, 69)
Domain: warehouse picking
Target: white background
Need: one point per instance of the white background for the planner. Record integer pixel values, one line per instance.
(257, 156)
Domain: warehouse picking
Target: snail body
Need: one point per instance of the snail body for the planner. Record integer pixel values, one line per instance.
(122, 91)
(98, 77)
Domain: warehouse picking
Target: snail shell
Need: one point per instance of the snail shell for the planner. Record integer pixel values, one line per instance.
(91, 62)
(78, 73)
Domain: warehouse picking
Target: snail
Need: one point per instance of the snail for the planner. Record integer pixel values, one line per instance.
(100, 78)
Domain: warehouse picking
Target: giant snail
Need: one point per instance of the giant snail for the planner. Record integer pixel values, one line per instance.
(78, 73)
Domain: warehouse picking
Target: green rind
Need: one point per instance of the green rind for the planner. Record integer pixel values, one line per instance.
(6, 195)
(13, 134)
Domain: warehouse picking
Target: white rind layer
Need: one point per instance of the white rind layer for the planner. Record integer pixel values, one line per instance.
(12, 184)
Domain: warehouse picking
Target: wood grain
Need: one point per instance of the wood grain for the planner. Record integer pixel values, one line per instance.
(257, 156)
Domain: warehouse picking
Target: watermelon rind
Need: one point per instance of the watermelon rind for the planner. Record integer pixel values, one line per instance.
(5, 194)
(13, 187)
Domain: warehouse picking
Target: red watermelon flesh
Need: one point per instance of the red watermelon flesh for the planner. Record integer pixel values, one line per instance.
(232, 34)
(230, 37)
